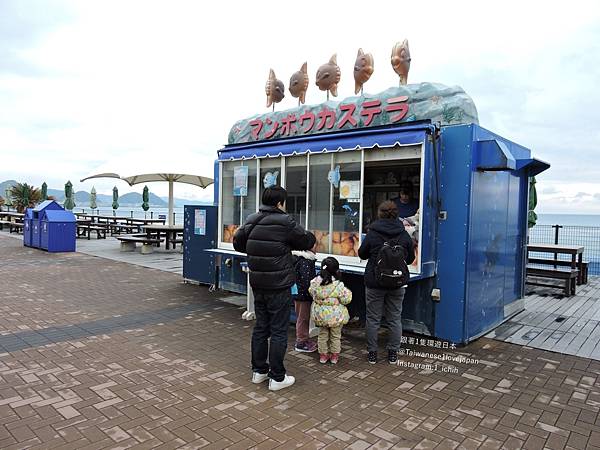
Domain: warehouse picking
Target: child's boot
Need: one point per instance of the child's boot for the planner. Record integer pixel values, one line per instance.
(335, 357)
(323, 357)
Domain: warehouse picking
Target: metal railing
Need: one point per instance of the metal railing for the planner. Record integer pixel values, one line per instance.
(588, 237)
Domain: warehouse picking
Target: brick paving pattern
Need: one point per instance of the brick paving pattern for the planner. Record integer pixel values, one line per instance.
(101, 354)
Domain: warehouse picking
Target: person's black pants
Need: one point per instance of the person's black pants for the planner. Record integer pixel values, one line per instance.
(272, 310)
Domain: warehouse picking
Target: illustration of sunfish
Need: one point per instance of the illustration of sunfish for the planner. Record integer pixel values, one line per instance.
(349, 211)
(299, 84)
(274, 89)
(363, 69)
(270, 179)
(401, 60)
(334, 176)
(328, 76)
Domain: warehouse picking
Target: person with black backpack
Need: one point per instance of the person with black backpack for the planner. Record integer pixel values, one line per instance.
(389, 250)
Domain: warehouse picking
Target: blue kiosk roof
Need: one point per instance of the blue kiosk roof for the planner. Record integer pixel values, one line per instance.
(330, 142)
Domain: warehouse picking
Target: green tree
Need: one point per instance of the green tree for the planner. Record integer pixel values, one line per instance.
(24, 196)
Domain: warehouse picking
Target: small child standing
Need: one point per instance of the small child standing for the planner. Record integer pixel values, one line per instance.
(305, 272)
(329, 312)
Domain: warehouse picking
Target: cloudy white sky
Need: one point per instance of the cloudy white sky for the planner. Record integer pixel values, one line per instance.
(134, 86)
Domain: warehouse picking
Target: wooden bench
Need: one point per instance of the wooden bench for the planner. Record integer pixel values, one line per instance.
(562, 263)
(128, 243)
(117, 228)
(86, 231)
(568, 275)
(16, 227)
(4, 222)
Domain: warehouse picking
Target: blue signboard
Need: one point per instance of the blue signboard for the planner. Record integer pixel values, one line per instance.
(240, 181)
(200, 222)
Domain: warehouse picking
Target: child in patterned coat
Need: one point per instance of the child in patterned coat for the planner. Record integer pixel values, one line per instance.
(328, 311)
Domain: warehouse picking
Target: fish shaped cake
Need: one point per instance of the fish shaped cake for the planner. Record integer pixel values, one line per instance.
(274, 89)
(299, 84)
(401, 60)
(363, 69)
(328, 76)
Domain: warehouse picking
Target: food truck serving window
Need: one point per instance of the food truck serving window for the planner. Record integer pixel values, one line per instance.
(335, 195)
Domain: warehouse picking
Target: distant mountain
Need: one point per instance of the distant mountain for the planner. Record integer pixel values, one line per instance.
(5, 185)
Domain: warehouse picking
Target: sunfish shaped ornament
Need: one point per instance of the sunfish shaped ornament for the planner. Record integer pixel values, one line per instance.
(270, 179)
(328, 76)
(363, 69)
(274, 89)
(401, 60)
(334, 176)
(299, 84)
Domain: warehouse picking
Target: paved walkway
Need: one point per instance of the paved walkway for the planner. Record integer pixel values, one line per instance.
(96, 353)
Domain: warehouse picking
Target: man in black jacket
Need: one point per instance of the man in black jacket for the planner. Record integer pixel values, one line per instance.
(380, 301)
(268, 237)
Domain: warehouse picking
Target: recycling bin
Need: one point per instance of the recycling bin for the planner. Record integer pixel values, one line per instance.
(58, 231)
(27, 225)
(36, 220)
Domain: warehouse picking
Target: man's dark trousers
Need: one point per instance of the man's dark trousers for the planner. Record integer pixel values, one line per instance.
(272, 310)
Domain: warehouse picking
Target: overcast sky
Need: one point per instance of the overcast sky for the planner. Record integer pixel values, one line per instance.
(135, 86)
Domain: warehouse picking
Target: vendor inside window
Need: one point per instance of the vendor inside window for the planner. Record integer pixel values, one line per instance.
(406, 204)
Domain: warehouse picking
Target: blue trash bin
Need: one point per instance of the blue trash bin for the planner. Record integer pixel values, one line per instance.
(27, 225)
(36, 220)
(58, 231)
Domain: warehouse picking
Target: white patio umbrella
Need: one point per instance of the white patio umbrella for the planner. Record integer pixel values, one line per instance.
(196, 180)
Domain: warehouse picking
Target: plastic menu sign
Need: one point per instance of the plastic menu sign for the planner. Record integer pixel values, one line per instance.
(200, 222)
(240, 181)
(350, 190)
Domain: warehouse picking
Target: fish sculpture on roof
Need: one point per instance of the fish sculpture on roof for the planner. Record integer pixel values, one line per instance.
(299, 84)
(328, 76)
(401, 60)
(274, 89)
(363, 69)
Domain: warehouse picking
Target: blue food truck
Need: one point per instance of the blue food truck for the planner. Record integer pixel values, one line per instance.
(338, 161)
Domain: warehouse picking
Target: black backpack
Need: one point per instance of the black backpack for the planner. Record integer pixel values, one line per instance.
(391, 271)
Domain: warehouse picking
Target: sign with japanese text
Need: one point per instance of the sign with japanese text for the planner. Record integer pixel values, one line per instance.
(438, 103)
(240, 181)
(200, 222)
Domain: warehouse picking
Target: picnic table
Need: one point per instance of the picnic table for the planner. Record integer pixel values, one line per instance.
(13, 220)
(572, 272)
(169, 232)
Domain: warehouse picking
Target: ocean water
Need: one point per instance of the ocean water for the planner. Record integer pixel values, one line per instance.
(126, 211)
(582, 220)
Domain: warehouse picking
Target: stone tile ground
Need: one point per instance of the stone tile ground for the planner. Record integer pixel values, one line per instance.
(101, 354)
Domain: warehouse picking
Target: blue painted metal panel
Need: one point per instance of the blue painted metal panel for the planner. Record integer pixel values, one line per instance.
(493, 155)
(516, 232)
(455, 183)
(199, 265)
(349, 140)
(486, 260)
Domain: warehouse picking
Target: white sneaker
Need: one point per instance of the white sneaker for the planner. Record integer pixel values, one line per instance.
(258, 378)
(277, 385)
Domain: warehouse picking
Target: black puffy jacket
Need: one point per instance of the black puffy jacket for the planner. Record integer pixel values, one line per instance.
(268, 238)
(369, 249)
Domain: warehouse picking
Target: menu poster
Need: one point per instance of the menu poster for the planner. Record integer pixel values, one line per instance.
(200, 222)
(350, 190)
(240, 181)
